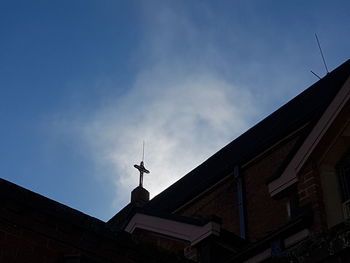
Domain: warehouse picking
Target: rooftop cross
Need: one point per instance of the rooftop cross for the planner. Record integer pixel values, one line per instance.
(142, 170)
(141, 167)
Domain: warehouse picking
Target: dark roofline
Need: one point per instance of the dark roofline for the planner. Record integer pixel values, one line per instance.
(308, 106)
(119, 221)
(123, 217)
(95, 241)
(32, 206)
(37, 202)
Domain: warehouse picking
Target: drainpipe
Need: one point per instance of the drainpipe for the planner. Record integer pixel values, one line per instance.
(241, 202)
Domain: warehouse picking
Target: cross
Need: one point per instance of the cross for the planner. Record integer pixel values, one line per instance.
(142, 170)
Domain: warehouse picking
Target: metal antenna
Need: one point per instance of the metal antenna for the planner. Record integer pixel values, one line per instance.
(319, 46)
(143, 150)
(315, 74)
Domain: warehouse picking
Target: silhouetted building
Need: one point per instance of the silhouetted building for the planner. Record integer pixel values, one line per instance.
(36, 229)
(280, 192)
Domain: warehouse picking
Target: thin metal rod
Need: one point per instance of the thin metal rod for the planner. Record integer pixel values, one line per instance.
(319, 46)
(315, 74)
(143, 150)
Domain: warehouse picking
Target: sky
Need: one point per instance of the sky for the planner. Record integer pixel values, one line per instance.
(84, 83)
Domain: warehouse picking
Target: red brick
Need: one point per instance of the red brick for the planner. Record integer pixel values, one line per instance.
(10, 228)
(221, 202)
(35, 238)
(2, 236)
(263, 213)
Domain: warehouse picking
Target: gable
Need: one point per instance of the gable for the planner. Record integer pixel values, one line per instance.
(289, 175)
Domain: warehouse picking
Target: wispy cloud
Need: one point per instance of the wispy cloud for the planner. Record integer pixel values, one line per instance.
(182, 118)
(180, 105)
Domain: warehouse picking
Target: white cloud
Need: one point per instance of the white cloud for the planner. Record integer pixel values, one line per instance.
(180, 105)
(183, 118)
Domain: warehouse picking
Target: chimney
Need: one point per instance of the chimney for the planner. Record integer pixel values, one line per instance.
(139, 196)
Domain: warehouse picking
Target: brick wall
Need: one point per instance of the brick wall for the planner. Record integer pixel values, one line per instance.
(165, 242)
(30, 236)
(328, 152)
(220, 201)
(310, 193)
(36, 229)
(265, 214)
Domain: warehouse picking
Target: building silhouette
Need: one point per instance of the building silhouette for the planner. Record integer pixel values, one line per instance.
(280, 192)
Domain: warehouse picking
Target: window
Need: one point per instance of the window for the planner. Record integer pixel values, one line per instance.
(343, 171)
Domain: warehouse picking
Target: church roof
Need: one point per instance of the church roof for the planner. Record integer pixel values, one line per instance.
(305, 108)
(36, 224)
(29, 204)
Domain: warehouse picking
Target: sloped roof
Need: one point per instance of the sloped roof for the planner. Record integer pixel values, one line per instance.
(90, 239)
(122, 218)
(34, 202)
(308, 106)
(31, 203)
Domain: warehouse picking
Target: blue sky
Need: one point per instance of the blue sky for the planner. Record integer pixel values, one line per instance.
(83, 83)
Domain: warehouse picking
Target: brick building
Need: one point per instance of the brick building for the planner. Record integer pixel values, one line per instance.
(280, 192)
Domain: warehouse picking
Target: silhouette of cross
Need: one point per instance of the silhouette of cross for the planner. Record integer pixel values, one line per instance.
(142, 170)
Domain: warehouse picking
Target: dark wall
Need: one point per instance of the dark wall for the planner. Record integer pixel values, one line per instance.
(221, 201)
(36, 229)
(265, 214)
